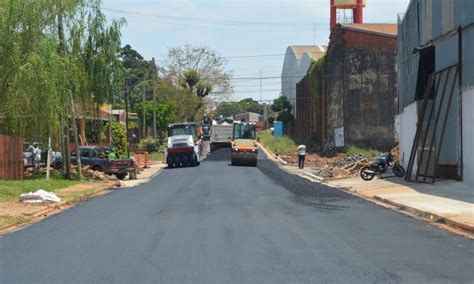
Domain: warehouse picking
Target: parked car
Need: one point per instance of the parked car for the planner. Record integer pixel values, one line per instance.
(97, 158)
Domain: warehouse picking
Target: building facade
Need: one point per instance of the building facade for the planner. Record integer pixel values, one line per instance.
(436, 89)
(295, 66)
(360, 86)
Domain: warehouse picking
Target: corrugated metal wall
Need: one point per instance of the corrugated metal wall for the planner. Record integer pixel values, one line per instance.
(11, 157)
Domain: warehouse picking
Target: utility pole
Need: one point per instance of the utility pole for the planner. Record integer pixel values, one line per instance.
(126, 118)
(154, 97)
(143, 111)
(260, 84)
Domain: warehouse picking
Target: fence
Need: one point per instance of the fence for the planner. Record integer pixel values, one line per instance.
(11, 157)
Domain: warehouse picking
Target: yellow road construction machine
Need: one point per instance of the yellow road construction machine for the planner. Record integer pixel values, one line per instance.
(244, 144)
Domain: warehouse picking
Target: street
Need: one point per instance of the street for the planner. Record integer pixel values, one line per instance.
(221, 224)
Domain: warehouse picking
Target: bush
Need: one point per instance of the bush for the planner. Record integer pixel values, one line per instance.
(119, 138)
(149, 144)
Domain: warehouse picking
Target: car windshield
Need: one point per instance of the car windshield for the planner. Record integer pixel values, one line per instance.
(180, 130)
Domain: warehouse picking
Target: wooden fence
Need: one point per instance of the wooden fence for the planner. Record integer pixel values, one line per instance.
(11, 157)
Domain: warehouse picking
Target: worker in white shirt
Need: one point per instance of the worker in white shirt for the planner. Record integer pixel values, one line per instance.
(301, 155)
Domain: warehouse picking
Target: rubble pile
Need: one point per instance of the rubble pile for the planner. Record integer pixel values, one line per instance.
(344, 166)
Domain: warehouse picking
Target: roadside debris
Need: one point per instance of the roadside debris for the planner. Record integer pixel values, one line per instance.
(39, 196)
(339, 166)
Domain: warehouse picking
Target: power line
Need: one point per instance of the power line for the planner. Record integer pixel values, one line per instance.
(219, 21)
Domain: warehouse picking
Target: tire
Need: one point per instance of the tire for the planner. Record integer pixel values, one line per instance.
(398, 170)
(366, 173)
(186, 161)
(121, 176)
(57, 165)
(97, 168)
(193, 161)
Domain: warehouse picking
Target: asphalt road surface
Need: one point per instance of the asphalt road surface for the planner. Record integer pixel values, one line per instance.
(222, 224)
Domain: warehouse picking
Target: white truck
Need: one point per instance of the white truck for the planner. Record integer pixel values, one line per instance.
(221, 133)
(184, 145)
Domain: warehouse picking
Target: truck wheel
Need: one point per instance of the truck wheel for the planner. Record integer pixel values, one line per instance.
(121, 176)
(193, 161)
(97, 168)
(186, 161)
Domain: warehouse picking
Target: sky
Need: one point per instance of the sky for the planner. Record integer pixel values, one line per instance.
(251, 35)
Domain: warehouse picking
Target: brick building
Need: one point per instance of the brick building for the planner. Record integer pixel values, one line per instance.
(360, 85)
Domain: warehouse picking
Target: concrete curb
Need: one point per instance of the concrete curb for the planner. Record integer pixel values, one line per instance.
(430, 216)
(427, 215)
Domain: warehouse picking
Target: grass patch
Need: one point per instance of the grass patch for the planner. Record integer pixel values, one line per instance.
(6, 220)
(157, 156)
(153, 156)
(352, 150)
(10, 190)
(276, 144)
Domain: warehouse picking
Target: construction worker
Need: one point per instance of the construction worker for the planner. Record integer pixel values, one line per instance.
(301, 155)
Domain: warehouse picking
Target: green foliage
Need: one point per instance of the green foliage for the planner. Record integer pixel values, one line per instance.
(191, 78)
(283, 106)
(192, 64)
(203, 89)
(119, 138)
(228, 109)
(149, 144)
(353, 150)
(277, 145)
(164, 114)
(316, 69)
(52, 51)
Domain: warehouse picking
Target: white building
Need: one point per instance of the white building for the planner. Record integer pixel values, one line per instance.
(295, 66)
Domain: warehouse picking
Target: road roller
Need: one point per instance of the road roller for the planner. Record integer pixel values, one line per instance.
(244, 145)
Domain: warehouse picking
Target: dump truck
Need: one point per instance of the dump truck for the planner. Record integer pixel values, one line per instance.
(221, 133)
(184, 145)
(244, 145)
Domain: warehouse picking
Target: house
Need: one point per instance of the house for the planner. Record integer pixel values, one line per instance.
(295, 66)
(436, 90)
(360, 85)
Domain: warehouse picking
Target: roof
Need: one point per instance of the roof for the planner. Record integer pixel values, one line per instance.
(314, 51)
(381, 29)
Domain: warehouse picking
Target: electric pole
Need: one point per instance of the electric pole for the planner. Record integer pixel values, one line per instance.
(143, 111)
(154, 97)
(260, 84)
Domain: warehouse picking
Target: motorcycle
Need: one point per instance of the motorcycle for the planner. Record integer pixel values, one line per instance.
(380, 166)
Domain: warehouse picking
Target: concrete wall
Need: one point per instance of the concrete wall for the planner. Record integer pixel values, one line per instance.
(360, 87)
(468, 136)
(407, 130)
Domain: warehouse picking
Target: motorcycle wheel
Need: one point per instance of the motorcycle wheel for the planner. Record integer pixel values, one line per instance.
(366, 173)
(398, 170)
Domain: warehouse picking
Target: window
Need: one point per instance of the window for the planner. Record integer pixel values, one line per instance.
(85, 153)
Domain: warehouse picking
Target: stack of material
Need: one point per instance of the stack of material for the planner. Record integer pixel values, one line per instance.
(345, 167)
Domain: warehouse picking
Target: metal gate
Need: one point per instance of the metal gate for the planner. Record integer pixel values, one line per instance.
(426, 148)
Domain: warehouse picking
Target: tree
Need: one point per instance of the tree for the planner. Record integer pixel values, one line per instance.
(284, 108)
(194, 64)
(55, 53)
(228, 109)
(250, 105)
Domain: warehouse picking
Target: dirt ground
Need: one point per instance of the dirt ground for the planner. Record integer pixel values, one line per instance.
(15, 214)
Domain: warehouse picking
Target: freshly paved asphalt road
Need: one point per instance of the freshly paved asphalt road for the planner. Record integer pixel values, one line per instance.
(222, 224)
